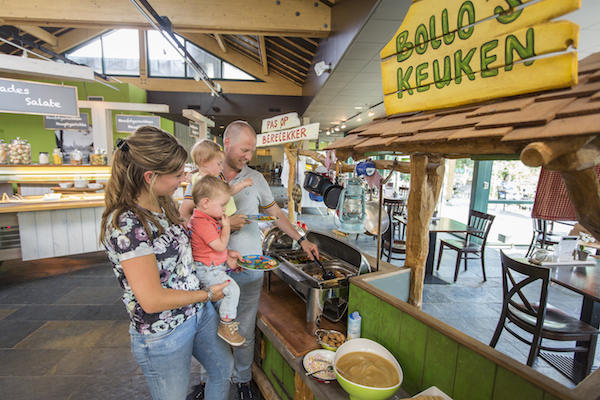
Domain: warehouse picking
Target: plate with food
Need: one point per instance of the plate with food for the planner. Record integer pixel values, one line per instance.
(330, 339)
(258, 262)
(319, 364)
(261, 217)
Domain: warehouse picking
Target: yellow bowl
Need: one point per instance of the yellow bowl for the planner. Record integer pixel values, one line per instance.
(319, 333)
(362, 392)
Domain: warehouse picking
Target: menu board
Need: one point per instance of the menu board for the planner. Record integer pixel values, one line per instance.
(129, 123)
(26, 97)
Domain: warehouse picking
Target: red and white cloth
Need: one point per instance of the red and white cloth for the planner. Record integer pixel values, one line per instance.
(551, 198)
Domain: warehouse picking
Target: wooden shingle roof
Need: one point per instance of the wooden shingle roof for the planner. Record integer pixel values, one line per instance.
(501, 127)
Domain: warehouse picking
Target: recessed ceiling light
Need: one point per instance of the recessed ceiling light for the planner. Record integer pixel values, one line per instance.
(358, 108)
(359, 119)
(371, 113)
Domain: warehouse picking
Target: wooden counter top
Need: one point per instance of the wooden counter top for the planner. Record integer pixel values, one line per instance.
(50, 205)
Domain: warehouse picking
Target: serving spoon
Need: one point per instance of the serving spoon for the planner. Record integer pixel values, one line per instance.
(327, 275)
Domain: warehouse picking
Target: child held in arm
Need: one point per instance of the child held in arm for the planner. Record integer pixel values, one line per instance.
(209, 229)
(209, 157)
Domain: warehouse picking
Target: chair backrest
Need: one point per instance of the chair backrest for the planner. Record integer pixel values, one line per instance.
(403, 192)
(542, 227)
(516, 276)
(393, 206)
(479, 226)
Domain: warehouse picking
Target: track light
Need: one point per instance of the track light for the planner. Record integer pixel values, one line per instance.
(343, 126)
(337, 128)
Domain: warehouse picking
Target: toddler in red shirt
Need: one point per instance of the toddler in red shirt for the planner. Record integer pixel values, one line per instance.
(209, 228)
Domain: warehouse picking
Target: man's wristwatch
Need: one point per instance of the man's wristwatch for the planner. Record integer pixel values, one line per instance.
(302, 239)
(209, 295)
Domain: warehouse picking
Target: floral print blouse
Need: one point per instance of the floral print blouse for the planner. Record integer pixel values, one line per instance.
(175, 263)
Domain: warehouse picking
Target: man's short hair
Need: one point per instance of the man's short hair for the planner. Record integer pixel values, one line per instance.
(234, 129)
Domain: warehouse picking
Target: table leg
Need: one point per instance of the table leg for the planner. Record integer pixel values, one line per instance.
(429, 277)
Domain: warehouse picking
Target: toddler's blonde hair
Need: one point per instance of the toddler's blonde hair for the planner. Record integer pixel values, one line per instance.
(204, 151)
(208, 187)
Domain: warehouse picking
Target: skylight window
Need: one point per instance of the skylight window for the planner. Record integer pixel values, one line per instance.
(113, 53)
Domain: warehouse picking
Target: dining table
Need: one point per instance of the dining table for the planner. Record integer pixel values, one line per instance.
(583, 280)
(437, 225)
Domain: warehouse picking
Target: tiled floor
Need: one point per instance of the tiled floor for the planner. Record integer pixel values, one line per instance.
(63, 328)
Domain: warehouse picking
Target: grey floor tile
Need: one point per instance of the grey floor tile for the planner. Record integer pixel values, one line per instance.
(97, 362)
(116, 336)
(39, 387)
(91, 295)
(122, 387)
(29, 362)
(5, 312)
(45, 312)
(66, 335)
(12, 332)
(102, 312)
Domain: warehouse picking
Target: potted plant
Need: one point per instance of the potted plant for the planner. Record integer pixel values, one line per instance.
(581, 253)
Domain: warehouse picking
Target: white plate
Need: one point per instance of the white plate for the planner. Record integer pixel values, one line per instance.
(311, 362)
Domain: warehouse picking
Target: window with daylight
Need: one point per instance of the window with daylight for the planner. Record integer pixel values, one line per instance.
(164, 61)
(112, 53)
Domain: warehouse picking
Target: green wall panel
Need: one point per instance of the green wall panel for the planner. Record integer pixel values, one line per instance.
(440, 362)
(390, 319)
(469, 365)
(30, 127)
(509, 386)
(411, 352)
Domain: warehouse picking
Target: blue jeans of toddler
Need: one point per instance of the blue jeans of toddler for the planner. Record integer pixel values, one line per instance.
(213, 275)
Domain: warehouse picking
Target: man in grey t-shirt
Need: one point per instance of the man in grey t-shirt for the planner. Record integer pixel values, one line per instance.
(239, 142)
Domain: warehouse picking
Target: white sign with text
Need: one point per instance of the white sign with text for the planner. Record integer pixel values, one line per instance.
(305, 132)
(280, 122)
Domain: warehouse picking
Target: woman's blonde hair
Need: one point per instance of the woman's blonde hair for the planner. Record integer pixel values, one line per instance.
(205, 150)
(148, 149)
(209, 186)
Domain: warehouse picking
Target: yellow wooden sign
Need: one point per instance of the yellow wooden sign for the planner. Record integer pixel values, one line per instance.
(457, 52)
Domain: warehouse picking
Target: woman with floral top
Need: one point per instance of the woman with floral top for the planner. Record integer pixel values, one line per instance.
(171, 315)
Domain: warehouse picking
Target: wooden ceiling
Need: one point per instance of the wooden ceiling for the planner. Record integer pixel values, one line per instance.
(280, 37)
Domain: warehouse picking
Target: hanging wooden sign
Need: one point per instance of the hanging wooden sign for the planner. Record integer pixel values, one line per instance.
(304, 132)
(458, 52)
(280, 122)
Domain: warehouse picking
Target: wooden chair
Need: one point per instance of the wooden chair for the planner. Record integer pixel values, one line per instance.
(537, 317)
(391, 246)
(394, 207)
(478, 229)
(542, 235)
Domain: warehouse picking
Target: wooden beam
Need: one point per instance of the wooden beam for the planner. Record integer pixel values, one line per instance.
(425, 187)
(256, 17)
(296, 45)
(290, 51)
(220, 42)
(76, 37)
(39, 33)
(143, 50)
(263, 54)
(277, 85)
(586, 157)
(292, 156)
(536, 154)
(584, 192)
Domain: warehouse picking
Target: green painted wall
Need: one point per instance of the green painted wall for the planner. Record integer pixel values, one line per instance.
(31, 127)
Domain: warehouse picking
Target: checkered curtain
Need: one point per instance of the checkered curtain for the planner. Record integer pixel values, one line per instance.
(551, 199)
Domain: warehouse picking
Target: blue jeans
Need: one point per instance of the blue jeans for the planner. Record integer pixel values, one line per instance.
(213, 275)
(250, 283)
(165, 357)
